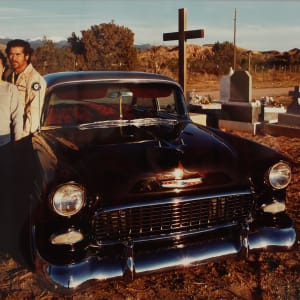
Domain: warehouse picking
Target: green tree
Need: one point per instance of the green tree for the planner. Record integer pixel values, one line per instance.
(105, 47)
(47, 58)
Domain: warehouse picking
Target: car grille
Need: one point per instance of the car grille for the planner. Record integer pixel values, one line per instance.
(145, 222)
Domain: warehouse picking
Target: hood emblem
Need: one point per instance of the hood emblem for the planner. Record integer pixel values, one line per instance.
(181, 183)
(181, 178)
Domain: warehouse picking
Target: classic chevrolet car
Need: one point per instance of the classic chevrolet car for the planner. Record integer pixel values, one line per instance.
(127, 184)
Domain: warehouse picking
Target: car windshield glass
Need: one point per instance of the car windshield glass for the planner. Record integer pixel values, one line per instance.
(84, 103)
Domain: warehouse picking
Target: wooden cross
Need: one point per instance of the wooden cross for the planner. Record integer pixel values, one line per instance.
(182, 35)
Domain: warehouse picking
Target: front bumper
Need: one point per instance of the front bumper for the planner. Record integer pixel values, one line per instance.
(95, 268)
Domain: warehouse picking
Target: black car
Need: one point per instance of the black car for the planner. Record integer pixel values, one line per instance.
(127, 184)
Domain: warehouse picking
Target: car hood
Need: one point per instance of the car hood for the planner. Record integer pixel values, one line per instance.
(125, 162)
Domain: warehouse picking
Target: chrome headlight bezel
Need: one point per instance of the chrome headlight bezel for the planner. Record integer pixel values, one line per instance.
(68, 199)
(279, 175)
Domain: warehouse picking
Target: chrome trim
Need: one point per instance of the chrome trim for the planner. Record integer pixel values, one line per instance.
(172, 200)
(267, 175)
(244, 239)
(181, 183)
(115, 224)
(129, 268)
(72, 78)
(171, 236)
(73, 275)
(123, 123)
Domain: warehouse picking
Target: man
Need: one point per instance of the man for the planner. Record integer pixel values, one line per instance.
(31, 86)
(30, 83)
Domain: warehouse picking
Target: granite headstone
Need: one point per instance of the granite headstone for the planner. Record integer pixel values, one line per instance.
(240, 107)
(241, 87)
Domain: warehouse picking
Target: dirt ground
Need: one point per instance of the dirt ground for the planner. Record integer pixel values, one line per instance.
(263, 276)
(271, 84)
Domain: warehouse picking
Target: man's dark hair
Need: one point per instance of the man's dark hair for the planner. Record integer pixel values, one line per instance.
(3, 59)
(20, 43)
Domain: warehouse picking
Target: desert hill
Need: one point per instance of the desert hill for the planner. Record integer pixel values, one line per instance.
(198, 51)
(171, 51)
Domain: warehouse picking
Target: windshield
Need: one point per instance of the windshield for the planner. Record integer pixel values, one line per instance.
(83, 103)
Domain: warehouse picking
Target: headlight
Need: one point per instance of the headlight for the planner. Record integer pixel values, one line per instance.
(68, 199)
(279, 175)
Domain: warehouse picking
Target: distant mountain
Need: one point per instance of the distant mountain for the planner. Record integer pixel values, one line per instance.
(4, 41)
(294, 51)
(143, 46)
(36, 43)
(60, 44)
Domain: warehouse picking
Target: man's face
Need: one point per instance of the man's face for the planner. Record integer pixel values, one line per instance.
(18, 59)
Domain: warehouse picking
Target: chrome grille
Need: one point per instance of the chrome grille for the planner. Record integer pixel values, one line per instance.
(175, 217)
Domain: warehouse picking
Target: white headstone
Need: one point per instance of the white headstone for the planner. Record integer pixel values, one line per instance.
(225, 86)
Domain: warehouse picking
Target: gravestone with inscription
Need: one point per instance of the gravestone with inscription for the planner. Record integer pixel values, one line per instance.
(241, 87)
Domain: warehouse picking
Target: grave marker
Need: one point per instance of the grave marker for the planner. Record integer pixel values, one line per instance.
(241, 87)
(182, 35)
(225, 86)
(292, 116)
(288, 123)
(294, 107)
(240, 110)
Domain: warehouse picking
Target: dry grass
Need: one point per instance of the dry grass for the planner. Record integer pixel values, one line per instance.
(269, 79)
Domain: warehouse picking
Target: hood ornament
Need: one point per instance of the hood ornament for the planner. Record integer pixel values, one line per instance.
(181, 178)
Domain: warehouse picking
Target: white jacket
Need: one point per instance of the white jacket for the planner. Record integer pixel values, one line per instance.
(32, 99)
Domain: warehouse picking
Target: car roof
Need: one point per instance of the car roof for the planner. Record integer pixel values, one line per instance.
(53, 79)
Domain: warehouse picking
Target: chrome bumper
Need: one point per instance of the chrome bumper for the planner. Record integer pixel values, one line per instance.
(71, 276)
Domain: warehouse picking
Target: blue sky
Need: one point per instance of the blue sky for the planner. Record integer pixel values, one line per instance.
(261, 25)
